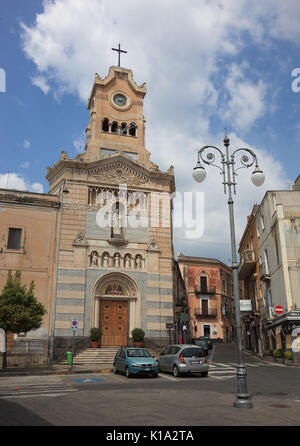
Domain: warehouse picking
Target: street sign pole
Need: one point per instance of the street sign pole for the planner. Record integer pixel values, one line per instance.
(73, 346)
(74, 327)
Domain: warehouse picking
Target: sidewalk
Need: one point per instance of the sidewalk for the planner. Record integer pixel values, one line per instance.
(57, 369)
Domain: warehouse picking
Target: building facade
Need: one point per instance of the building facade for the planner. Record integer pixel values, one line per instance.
(181, 326)
(278, 232)
(250, 287)
(28, 242)
(210, 297)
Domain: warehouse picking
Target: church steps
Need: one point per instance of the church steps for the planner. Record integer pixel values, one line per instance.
(103, 356)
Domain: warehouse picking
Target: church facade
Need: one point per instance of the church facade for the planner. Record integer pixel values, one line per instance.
(115, 255)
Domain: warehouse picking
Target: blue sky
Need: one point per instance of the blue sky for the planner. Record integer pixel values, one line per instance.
(207, 66)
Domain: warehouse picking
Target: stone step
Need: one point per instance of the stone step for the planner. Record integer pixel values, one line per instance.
(104, 356)
(86, 361)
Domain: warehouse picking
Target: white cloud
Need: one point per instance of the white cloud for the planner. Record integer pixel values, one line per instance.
(17, 182)
(246, 102)
(26, 144)
(25, 165)
(37, 187)
(41, 82)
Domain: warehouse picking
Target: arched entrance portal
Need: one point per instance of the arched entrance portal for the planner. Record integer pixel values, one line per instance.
(116, 306)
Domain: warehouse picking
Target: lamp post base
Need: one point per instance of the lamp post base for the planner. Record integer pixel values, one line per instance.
(243, 401)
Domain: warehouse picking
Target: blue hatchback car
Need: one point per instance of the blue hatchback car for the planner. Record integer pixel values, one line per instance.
(134, 361)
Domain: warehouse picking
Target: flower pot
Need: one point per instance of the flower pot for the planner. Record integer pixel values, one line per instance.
(95, 344)
(138, 343)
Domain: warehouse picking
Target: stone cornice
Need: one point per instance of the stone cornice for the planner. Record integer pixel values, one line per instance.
(119, 160)
(28, 198)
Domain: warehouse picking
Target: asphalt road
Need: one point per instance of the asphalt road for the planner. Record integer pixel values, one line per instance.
(105, 399)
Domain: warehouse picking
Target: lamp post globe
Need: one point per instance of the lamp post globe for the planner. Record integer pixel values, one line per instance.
(257, 177)
(199, 173)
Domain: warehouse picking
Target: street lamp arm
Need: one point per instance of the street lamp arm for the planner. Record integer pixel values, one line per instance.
(210, 159)
(245, 159)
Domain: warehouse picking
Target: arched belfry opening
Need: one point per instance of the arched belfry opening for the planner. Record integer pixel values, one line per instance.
(116, 308)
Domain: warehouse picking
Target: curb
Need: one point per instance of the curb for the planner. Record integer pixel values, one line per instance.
(269, 359)
(53, 372)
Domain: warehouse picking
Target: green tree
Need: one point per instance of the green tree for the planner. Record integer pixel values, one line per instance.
(20, 312)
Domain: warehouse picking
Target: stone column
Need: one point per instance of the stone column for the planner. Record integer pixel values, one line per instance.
(97, 312)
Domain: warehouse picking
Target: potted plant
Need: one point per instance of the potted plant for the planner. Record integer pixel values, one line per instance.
(278, 355)
(288, 357)
(95, 336)
(138, 336)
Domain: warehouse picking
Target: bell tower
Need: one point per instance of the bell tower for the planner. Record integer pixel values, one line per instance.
(117, 123)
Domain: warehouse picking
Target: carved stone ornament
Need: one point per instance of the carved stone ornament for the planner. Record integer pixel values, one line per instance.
(120, 176)
(63, 155)
(81, 240)
(153, 246)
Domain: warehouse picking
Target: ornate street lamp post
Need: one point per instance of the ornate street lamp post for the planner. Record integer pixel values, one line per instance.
(228, 171)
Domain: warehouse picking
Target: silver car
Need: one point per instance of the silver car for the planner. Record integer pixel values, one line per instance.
(184, 358)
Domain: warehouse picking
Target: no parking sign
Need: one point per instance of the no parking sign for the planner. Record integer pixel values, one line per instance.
(74, 324)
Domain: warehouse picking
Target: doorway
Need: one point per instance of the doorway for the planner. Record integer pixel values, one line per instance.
(113, 322)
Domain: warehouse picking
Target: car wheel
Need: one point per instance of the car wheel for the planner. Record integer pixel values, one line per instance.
(115, 369)
(176, 372)
(127, 373)
(204, 374)
(155, 375)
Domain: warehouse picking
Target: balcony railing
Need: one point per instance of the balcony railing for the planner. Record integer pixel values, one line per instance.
(247, 264)
(205, 290)
(198, 312)
(264, 275)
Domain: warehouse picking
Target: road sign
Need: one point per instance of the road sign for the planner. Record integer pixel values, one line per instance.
(245, 305)
(74, 324)
(169, 325)
(278, 309)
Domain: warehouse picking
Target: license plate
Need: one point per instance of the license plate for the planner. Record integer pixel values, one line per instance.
(147, 369)
(196, 362)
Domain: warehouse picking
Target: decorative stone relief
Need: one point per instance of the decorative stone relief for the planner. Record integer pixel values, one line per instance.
(81, 240)
(111, 259)
(153, 246)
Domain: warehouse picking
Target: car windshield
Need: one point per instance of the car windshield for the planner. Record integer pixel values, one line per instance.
(189, 352)
(138, 353)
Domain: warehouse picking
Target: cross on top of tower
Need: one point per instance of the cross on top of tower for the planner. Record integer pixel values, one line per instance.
(119, 51)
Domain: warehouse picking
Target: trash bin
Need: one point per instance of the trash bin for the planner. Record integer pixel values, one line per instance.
(69, 358)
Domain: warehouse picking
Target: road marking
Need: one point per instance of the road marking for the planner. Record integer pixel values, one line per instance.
(89, 380)
(28, 394)
(221, 371)
(223, 365)
(168, 377)
(119, 378)
(222, 377)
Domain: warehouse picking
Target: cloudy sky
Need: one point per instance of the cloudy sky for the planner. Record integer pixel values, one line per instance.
(208, 65)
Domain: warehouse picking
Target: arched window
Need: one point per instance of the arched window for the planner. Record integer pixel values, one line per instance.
(132, 129)
(105, 125)
(114, 127)
(123, 126)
